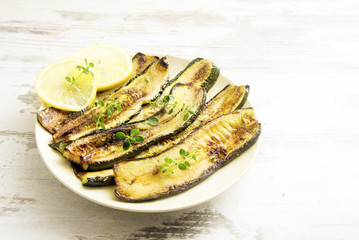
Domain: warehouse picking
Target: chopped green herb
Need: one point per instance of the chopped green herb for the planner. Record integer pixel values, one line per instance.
(139, 139)
(100, 102)
(120, 135)
(168, 160)
(182, 152)
(153, 121)
(182, 166)
(126, 145)
(134, 131)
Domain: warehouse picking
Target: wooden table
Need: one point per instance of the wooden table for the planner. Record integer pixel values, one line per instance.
(301, 59)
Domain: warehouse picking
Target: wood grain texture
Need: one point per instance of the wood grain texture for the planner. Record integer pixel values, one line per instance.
(301, 59)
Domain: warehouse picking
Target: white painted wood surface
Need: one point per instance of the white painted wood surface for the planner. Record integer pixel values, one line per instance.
(301, 59)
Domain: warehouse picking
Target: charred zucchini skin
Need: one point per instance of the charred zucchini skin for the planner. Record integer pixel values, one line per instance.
(95, 166)
(99, 179)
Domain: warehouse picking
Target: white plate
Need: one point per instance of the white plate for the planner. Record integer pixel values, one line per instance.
(214, 185)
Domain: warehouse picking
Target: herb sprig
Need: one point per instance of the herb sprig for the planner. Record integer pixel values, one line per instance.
(153, 121)
(133, 138)
(183, 165)
(188, 111)
(84, 70)
(109, 108)
(166, 101)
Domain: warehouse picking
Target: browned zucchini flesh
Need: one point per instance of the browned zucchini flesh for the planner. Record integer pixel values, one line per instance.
(131, 98)
(102, 150)
(175, 170)
(53, 119)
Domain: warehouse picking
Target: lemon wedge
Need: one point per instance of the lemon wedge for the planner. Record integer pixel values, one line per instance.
(64, 85)
(112, 64)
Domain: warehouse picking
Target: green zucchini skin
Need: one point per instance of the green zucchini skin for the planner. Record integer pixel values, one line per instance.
(60, 146)
(94, 179)
(225, 138)
(227, 100)
(101, 151)
(132, 97)
(209, 81)
(245, 97)
(52, 119)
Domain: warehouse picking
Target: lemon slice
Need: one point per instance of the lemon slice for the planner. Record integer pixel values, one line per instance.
(53, 88)
(112, 64)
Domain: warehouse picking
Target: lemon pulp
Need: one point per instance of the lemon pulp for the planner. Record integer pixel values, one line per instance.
(112, 64)
(56, 91)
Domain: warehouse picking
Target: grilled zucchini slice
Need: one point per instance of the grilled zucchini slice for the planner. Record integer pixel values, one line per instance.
(214, 144)
(53, 119)
(102, 150)
(94, 179)
(226, 101)
(199, 72)
(132, 97)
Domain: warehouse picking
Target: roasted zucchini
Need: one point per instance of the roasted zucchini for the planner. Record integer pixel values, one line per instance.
(226, 101)
(53, 119)
(214, 144)
(199, 72)
(139, 62)
(102, 150)
(131, 98)
(94, 179)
